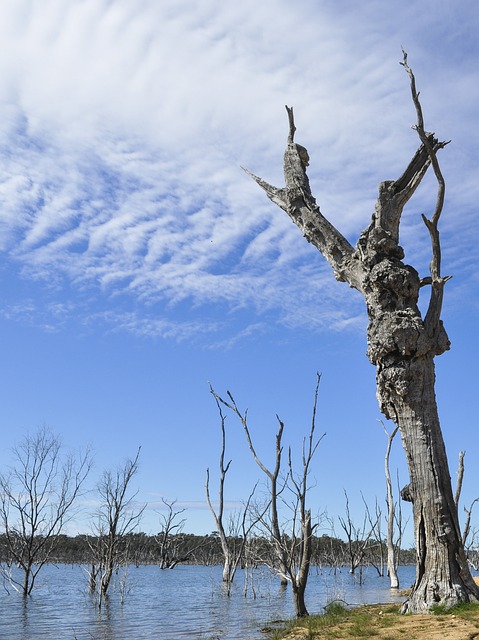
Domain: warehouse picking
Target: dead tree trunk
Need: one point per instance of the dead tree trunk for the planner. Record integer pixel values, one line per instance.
(232, 553)
(292, 551)
(402, 345)
(392, 551)
(273, 477)
(228, 560)
(298, 584)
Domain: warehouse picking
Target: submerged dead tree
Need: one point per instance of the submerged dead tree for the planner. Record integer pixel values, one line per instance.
(401, 344)
(37, 498)
(115, 519)
(292, 548)
(393, 549)
(276, 486)
(233, 544)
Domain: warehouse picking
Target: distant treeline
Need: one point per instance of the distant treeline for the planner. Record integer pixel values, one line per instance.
(167, 551)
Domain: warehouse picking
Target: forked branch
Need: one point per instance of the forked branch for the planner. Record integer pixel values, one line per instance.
(297, 200)
(432, 320)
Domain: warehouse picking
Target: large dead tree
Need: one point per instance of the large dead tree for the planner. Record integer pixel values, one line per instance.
(401, 344)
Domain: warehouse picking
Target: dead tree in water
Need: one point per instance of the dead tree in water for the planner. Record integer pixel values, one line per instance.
(291, 550)
(232, 544)
(401, 344)
(116, 517)
(358, 539)
(167, 538)
(36, 501)
(393, 549)
(274, 489)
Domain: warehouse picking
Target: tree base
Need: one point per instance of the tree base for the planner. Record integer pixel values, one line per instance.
(427, 597)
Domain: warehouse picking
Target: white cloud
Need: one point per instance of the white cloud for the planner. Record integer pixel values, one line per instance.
(124, 125)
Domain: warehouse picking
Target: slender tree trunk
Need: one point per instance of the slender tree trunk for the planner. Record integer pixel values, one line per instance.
(227, 573)
(93, 575)
(392, 554)
(298, 600)
(26, 582)
(299, 583)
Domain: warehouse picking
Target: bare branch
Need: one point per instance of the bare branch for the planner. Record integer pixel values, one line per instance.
(298, 202)
(432, 319)
(467, 526)
(460, 477)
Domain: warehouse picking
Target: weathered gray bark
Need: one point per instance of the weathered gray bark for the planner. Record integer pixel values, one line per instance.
(402, 345)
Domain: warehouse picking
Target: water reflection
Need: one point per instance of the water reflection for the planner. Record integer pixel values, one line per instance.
(186, 603)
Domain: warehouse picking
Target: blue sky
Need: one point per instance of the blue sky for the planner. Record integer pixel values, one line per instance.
(139, 263)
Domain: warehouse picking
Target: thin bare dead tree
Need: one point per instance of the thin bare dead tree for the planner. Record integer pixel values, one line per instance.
(391, 515)
(117, 516)
(274, 481)
(291, 556)
(219, 513)
(232, 552)
(174, 546)
(376, 549)
(37, 497)
(401, 344)
(358, 538)
(457, 496)
(301, 542)
(167, 538)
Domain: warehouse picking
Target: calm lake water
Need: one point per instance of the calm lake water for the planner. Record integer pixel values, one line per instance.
(186, 603)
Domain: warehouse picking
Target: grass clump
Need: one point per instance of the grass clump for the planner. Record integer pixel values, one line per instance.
(334, 613)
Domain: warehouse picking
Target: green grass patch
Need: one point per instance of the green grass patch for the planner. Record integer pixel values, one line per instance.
(340, 622)
(465, 610)
(334, 613)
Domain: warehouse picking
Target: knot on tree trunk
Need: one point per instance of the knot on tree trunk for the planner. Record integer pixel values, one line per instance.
(406, 493)
(440, 339)
(392, 386)
(376, 243)
(392, 285)
(394, 333)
